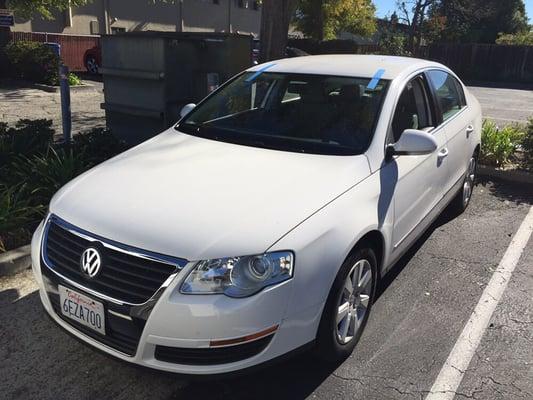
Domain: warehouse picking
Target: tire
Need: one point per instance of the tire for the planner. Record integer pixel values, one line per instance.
(461, 201)
(91, 65)
(337, 337)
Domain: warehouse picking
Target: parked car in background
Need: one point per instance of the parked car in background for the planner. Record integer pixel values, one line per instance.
(92, 59)
(263, 221)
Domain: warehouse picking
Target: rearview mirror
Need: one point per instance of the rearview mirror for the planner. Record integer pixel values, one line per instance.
(187, 108)
(412, 142)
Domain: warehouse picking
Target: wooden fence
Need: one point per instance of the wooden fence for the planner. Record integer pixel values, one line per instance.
(474, 62)
(485, 62)
(73, 47)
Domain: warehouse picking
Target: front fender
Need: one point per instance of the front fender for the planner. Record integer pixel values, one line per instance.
(323, 241)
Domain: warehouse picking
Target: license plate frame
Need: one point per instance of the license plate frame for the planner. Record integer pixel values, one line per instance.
(83, 309)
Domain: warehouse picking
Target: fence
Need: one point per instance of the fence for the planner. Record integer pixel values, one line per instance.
(485, 62)
(340, 46)
(481, 62)
(73, 47)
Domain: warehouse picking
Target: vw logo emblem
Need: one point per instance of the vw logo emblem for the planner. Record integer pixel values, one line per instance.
(91, 261)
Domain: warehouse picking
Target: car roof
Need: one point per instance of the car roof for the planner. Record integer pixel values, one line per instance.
(355, 65)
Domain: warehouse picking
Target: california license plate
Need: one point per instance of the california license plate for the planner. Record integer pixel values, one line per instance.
(82, 309)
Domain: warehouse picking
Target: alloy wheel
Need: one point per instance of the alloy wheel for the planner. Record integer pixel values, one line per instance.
(92, 66)
(354, 301)
(468, 185)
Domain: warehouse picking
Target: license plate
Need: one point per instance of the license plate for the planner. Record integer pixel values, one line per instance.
(82, 309)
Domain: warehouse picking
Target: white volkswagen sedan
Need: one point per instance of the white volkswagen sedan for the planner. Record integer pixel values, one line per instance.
(262, 222)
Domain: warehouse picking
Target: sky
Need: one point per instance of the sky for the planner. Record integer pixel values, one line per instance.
(386, 7)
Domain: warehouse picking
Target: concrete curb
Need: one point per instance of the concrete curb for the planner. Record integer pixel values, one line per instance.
(14, 261)
(56, 89)
(515, 176)
(22, 84)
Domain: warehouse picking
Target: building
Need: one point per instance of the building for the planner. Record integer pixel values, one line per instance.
(111, 16)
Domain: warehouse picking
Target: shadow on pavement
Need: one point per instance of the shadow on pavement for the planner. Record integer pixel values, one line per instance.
(514, 192)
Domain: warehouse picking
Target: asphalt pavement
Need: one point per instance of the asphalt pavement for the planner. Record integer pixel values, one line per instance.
(422, 307)
(504, 105)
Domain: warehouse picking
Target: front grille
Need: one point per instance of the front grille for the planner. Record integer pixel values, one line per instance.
(124, 276)
(121, 334)
(211, 356)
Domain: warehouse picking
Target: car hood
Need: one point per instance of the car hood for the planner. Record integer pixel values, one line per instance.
(196, 198)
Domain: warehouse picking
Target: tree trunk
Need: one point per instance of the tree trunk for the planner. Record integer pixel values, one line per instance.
(413, 30)
(320, 22)
(275, 18)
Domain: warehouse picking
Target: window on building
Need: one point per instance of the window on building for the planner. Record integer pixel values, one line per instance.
(117, 30)
(94, 27)
(249, 4)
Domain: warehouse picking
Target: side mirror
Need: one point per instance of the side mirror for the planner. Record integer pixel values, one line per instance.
(412, 142)
(187, 108)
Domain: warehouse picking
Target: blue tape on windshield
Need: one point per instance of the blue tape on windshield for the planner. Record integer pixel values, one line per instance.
(259, 72)
(375, 80)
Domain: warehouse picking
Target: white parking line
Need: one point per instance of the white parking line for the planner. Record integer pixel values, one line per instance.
(453, 370)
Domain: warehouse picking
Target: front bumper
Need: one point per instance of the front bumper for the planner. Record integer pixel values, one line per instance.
(177, 332)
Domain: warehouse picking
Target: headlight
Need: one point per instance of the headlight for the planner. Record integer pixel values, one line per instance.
(239, 276)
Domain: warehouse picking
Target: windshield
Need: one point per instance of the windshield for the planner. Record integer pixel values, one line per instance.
(291, 112)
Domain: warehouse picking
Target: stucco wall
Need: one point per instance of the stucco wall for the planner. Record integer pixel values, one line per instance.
(197, 16)
(142, 15)
(81, 17)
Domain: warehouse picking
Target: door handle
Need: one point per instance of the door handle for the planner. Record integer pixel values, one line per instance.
(469, 130)
(443, 153)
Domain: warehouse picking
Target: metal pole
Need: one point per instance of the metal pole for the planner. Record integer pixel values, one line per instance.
(230, 26)
(180, 17)
(65, 104)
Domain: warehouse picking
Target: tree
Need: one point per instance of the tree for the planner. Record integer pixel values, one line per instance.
(25, 8)
(324, 19)
(516, 39)
(414, 13)
(275, 18)
(480, 20)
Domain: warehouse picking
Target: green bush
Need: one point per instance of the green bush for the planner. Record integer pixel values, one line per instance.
(46, 174)
(98, 145)
(498, 145)
(17, 215)
(26, 138)
(33, 168)
(73, 79)
(33, 61)
(516, 39)
(527, 144)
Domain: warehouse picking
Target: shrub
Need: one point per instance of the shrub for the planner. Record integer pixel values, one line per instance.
(73, 79)
(45, 174)
(98, 145)
(33, 61)
(527, 144)
(498, 145)
(26, 138)
(516, 39)
(33, 168)
(17, 215)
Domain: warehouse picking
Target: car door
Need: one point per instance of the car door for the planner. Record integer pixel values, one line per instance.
(457, 121)
(420, 178)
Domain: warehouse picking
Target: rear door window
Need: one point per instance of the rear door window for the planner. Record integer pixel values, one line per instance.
(448, 91)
